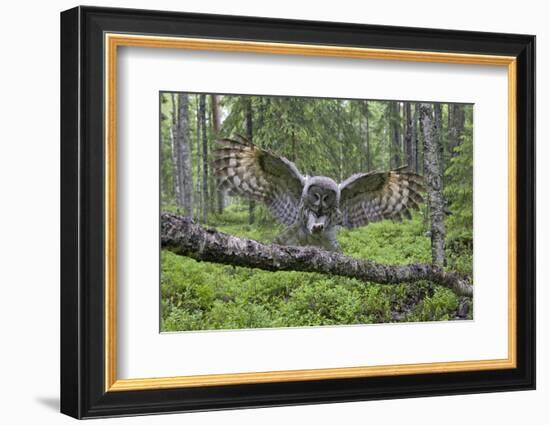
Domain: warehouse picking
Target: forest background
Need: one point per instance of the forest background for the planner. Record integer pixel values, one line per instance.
(332, 137)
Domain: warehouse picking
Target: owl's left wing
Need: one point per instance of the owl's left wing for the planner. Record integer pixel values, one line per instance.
(245, 169)
(370, 197)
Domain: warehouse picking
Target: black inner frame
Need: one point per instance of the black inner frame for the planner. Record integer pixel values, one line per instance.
(82, 212)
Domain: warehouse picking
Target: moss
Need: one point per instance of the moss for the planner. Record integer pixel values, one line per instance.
(199, 295)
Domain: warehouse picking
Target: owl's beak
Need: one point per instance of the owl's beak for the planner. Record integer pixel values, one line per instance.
(316, 224)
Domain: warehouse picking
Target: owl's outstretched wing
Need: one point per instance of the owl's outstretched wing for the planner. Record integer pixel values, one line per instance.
(369, 197)
(247, 170)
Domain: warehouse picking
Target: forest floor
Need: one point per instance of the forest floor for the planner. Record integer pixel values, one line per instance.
(201, 295)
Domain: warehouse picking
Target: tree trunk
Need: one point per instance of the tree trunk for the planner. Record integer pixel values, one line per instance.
(395, 126)
(185, 176)
(249, 136)
(198, 190)
(416, 140)
(409, 138)
(183, 237)
(216, 127)
(175, 150)
(433, 173)
(456, 120)
(202, 113)
(438, 132)
(365, 133)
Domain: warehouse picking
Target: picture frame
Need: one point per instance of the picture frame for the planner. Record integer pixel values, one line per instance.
(90, 40)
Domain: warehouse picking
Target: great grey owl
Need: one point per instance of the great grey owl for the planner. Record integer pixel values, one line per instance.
(313, 207)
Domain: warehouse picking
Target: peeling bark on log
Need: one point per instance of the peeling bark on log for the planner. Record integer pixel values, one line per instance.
(183, 237)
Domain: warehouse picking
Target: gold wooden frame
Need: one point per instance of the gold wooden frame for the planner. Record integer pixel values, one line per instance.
(113, 41)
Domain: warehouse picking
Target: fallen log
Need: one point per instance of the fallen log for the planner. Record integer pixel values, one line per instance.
(183, 237)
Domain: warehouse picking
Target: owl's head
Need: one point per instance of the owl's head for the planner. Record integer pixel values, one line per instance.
(320, 200)
(321, 194)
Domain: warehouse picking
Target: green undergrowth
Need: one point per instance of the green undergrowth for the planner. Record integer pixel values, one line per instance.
(201, 295)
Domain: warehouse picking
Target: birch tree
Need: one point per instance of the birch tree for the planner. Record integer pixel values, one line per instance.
(433, 174)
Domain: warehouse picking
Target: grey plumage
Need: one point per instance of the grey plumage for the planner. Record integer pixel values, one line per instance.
(314, 207)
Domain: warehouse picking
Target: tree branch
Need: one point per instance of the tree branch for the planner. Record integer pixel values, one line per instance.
(183, 237)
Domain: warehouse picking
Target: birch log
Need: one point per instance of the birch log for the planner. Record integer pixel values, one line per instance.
(183, 237)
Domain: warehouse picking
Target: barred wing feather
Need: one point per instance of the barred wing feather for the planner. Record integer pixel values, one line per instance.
(246, 170)
(371, 197)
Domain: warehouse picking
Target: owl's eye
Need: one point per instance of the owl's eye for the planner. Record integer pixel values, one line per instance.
(315, 197)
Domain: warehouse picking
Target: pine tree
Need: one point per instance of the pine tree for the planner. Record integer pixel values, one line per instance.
(183, 152)
(216, 127)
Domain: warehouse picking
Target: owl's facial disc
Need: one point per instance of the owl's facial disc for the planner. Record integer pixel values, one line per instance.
(320, 199)
(320, 203)
(318, 206)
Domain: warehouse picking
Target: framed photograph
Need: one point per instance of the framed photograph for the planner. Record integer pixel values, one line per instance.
(261, 212)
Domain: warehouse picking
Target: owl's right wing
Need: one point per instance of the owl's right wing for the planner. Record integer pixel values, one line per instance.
(375, 196)
(247, 170)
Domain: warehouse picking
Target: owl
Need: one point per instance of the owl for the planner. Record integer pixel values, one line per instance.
(313, 208)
